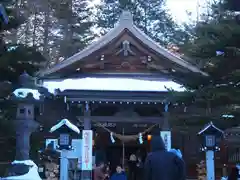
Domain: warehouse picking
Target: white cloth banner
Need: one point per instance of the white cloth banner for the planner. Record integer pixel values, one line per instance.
(87, 150)
(166, 136)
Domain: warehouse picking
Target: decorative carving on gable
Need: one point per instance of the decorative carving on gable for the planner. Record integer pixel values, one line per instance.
(126, 49)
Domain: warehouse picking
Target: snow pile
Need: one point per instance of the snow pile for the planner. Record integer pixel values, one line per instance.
(31, 175)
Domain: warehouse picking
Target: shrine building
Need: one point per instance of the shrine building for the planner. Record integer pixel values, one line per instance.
(120, 84)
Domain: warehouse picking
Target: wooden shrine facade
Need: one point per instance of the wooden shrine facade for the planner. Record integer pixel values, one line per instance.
(111, 107)
(124, 52)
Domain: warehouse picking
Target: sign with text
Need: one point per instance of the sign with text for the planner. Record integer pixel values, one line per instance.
(166, 136)
(87, 150)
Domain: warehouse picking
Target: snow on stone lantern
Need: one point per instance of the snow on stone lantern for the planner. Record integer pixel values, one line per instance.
(25, 97)
(210, 136)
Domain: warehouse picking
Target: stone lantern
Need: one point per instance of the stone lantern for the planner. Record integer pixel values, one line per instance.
(26, 97)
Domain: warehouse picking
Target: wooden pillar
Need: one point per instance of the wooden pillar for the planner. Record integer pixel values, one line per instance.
(87, 117)
(86, 174)
(166, 115)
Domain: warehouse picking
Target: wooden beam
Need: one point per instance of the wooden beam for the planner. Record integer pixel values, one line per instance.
(123, 119)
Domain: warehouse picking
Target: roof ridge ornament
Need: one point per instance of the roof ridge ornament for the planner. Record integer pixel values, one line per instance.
(126, 17)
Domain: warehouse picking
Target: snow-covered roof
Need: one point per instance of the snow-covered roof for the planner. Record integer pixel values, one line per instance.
(208, 126)
(126, 22)
(112, 84)
(67, 123)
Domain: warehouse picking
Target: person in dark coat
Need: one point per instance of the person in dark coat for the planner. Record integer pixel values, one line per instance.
(119, 174)
(132, 166)
(163, 165)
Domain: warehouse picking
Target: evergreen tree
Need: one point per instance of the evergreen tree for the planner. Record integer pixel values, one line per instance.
(74, 20)
(14, 60)
(150, 16)
(215, 47)
(233, 5)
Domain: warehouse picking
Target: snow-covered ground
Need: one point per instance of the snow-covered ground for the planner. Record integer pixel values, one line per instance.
(31, 175)
(114, 84)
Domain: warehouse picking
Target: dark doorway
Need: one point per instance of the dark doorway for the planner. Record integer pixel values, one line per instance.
(114, 154)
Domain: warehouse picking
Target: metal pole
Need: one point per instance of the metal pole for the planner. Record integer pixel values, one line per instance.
(210, 165)
(123, 149)
(64, 165)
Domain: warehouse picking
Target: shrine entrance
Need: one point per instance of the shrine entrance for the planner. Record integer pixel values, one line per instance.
(118, 152)
(114, 146)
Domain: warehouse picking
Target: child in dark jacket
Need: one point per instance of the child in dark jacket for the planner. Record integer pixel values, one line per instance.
(119, 174)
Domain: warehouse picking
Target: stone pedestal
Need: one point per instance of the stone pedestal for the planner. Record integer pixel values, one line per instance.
(24, 129)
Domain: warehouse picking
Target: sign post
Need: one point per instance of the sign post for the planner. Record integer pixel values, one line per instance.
(64, 127)
(166, 136)
(209, 136)
(87, 136)
(64, 165)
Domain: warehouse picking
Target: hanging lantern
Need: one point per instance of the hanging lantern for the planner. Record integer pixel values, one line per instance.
(149, 137)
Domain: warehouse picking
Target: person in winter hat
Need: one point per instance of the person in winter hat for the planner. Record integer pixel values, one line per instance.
(161, 164)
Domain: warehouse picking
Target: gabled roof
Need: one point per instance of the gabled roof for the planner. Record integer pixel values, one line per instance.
(66, 123)
(126, 22)
(210, 125)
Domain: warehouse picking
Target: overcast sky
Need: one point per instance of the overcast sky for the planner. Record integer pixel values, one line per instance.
(178, 8)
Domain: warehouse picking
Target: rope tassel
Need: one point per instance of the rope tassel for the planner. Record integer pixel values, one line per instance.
(140, 138)
(112, 138)
(124, 138)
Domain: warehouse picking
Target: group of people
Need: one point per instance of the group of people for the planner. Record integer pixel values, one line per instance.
(159, 164)
(102, 173)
